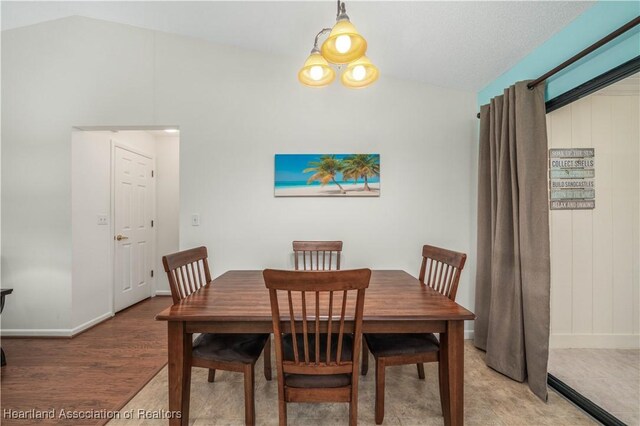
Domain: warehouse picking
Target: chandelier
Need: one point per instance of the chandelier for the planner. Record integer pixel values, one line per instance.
(343, 47)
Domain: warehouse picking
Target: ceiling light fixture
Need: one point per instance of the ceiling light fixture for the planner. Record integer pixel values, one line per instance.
(171, 130)
(316, 71)
(359, 73)
(343, 46)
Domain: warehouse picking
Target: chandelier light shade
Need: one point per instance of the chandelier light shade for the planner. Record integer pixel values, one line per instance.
(344, 44)
(316, 71)
(360, 74)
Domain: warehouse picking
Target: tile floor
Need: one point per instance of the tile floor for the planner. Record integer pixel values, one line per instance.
(608, 377)
(490, 399)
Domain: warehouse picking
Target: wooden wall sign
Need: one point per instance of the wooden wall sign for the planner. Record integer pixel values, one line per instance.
(571, 174)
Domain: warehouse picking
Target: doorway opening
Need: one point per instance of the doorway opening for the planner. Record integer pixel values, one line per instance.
(125, 216)
(595, 329)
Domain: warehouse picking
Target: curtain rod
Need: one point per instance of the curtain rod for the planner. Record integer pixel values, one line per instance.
(623, 29)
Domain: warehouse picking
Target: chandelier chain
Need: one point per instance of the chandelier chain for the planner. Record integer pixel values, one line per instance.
(322, 31)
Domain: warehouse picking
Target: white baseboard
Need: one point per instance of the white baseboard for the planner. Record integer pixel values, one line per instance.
(163, 293)
(595, 341)
(36, 332)
(468, 334)
(54, 332)
(91, 323)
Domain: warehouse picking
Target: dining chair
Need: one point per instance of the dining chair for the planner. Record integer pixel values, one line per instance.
(316, 352)
(324, 252)
(188, 271)
(440, 270)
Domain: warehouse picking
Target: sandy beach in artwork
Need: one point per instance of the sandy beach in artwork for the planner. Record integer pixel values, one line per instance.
(352, 190)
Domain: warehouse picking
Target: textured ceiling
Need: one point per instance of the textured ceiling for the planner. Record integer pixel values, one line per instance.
(462, 45)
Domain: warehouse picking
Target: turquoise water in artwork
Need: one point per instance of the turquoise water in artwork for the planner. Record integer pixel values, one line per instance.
(289, 171)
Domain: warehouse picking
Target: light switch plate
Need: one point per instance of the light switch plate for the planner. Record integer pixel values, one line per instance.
(103, 219)
(195, 220)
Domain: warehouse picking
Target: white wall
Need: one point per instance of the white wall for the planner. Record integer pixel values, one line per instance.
(54, 76)
(92, 244)
(91, 251)
(236, 109)
(594, 253)
(167, 205)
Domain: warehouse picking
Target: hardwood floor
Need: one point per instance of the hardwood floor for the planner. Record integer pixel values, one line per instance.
(101, 369)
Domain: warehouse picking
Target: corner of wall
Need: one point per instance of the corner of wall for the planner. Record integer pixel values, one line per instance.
(596, 22)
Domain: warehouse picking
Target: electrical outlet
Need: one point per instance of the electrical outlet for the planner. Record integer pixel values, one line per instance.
(103, 219)
(195, 220)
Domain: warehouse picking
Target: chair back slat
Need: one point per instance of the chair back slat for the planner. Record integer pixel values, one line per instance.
(185, 280)
(192, 286)
(329, 321)
(304, 328)
(180, 283)
(448, 279)
(317, 319)
(303, 250)
(341, 330)
(441, 270)
(196, 282)
(317, 331)
(292, 320)
(187, 270)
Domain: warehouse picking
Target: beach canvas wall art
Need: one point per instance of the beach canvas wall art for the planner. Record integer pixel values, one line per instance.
(327, 175)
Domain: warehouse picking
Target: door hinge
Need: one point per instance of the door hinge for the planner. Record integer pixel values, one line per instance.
(152, 223)
(152, 273)
(151, 173)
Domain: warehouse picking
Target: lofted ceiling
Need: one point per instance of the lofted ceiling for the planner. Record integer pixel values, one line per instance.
(461, 45)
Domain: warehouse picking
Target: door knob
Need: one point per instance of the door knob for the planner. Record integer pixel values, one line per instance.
(121, 237)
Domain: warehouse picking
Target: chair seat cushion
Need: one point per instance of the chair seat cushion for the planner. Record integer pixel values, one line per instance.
(401, 344)
(317, 380)
(244, 348)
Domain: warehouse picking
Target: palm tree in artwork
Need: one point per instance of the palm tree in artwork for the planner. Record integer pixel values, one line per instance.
(361, 166)
(325, 170)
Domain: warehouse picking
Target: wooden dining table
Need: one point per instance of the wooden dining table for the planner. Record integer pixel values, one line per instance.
(238, 302)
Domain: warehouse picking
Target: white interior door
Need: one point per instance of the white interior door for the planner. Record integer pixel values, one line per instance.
(133, 214)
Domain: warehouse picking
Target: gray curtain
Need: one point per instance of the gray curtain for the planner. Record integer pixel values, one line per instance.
(513, 272)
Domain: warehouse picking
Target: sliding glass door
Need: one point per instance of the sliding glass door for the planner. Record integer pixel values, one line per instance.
(595, 256)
